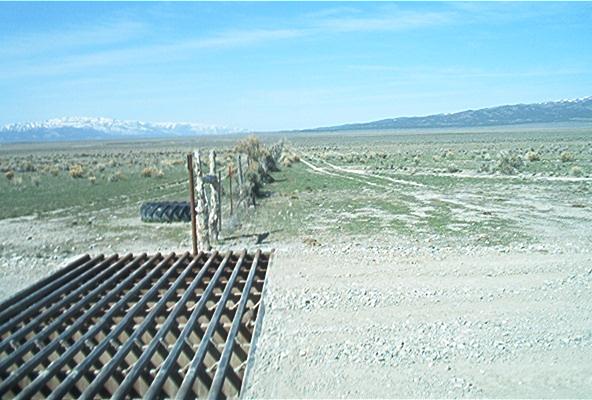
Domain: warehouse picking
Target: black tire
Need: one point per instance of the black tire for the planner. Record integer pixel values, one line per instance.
(165, 211)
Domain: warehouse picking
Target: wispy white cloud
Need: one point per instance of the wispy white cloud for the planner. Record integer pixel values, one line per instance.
(422, 72)
(401, 20)
(71, 39)
(242, 38)
(332, 11)
(110, 44)
(157, 53)
(493, 12)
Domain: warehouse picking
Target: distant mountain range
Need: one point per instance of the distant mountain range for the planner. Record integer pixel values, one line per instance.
(556, 111)
(85, 128)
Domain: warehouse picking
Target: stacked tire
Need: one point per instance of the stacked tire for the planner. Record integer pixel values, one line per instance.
(165, 211)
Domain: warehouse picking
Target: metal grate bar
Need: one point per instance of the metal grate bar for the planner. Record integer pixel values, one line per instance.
(31, 289)
(121, 327)
(61, 390)
(41, 336)
(55, 308)
(160, 378)
(167, 364)
(25, 302)
(220, 377)
(196, 363)
(138, 331)
(46, 351)
(102, 323)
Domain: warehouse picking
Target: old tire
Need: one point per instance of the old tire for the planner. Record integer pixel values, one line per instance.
(165, 211)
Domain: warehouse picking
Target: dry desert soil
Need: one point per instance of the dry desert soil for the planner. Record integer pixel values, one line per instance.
(386, 281)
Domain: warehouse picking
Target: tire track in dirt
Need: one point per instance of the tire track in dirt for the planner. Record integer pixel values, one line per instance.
(322, 170)
(420, 200)
(365, 173)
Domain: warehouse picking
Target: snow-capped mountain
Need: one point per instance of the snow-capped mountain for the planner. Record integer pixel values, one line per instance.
(553, 111)
(89, 128)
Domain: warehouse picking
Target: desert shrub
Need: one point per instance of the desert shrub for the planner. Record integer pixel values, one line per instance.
(172, 162)
(250, 146)
(117, 176)
(35, 180)
(76, 171)
(453, 169)
(50, 169)
(449, 154)
(27, 166)
(532, 155)
(566, 156)
(268, 163)
(152, 172)
(9, 175)
(289, 159)
(576, 171)
(17, 181)
(508, 163)
(486, 168)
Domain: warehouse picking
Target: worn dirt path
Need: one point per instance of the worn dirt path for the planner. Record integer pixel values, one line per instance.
(359, 323)
(394, 317)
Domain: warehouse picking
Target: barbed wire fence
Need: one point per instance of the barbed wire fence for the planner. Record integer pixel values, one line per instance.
(221, 199)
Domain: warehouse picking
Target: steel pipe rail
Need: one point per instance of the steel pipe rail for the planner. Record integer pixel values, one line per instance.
(33, 288)
(174, 326)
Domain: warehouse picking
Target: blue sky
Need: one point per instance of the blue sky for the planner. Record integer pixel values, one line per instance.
(272, 66)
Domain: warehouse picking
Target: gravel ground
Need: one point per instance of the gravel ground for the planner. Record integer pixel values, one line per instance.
(379, 316)
(31, 248)
(352, 321)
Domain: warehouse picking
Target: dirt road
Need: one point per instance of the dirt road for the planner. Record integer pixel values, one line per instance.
(384, 284)
(399, 317)
(354, 321)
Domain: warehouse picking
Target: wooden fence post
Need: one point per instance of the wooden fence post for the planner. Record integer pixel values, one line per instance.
(230, 187)
(192, 204)
(202, 206)
(241, 182)
(249, 186)
(219, 202)
(214, 204)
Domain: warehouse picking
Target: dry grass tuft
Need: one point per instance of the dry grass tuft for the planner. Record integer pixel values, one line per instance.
(288, 159)
(532, 155)
(252, 147)
(17, 181)
(566, 156)
(509, 163)
(76, 171)
(172, 162)
(152, 172)
(117, 176)
(576, 171)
